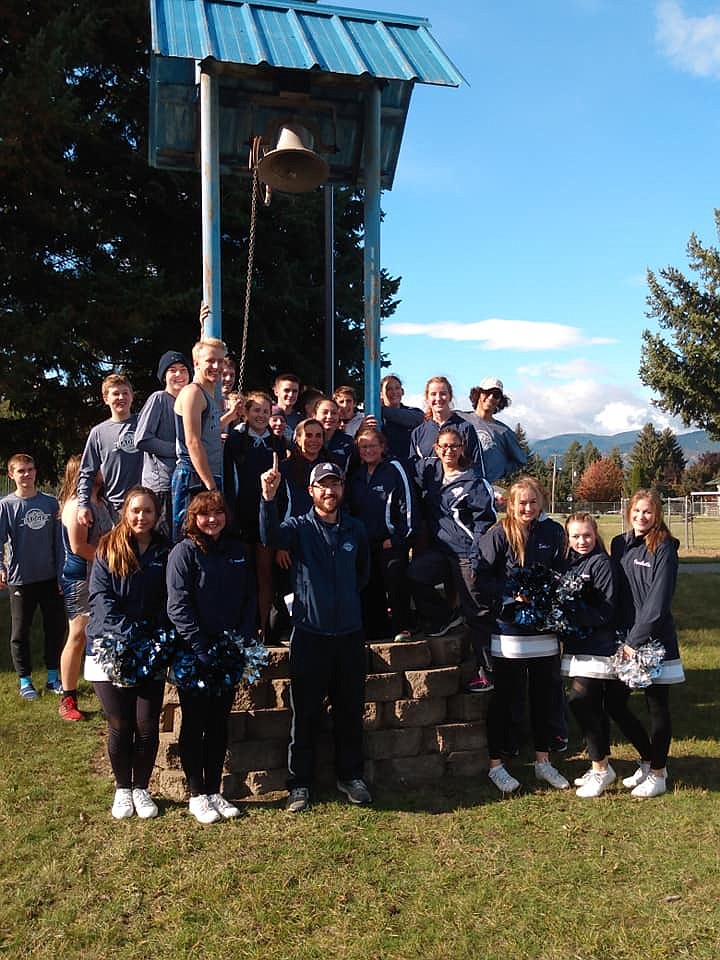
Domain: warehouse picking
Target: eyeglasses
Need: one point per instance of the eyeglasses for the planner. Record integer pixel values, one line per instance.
(442, 447)
(329, 483)
(495, 394)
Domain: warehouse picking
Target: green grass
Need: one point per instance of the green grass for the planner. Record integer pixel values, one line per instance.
(703, 539)
(449, 872)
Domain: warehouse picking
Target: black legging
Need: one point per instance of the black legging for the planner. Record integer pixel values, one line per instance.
(133, 718)
(654, 748)
(203, 739)
(509, 676)
(586, 701)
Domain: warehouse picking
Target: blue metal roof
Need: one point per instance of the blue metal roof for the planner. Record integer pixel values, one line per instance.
(294, 61)
(301, 36)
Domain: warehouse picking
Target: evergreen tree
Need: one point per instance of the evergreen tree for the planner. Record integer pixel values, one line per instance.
(698, 475)
(684, 369)
(617, 458)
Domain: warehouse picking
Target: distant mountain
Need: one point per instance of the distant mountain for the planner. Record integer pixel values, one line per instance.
(692, 444)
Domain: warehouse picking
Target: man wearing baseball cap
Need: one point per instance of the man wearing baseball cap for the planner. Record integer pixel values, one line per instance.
(502, 454)
(330, 567)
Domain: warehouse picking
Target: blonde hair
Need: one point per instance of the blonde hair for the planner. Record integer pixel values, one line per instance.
(448, 386)
(116, 547)
(214, 343)
(70, 480)
(515, 531)
(115, 380)
(17, 458)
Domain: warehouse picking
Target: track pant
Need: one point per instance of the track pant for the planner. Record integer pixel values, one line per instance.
(24, 600)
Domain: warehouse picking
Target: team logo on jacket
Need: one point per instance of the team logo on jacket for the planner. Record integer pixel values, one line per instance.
(35, 519)
(349, 547)
(126, 442)
(642, 563)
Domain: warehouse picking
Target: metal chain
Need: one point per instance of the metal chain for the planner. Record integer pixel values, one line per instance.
(248, 283)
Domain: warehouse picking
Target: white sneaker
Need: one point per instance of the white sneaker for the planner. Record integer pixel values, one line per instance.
(652, 786)
(597, 783)
(145, 807)
(203, 811)
(581, 781)
(122, 807)
(640, 774)
(504, 781)
(226, 809)
(547, 772)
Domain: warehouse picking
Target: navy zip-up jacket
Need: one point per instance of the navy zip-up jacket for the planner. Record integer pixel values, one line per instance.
(424, 437)
(293, 498)
(596, 608)
(118, 603)
(398, 424)
(245, 458)
(211, 592)
(647, 585)
(494, 562)
(330, 566)
(457, 510)
(383, 500)
(342, 447)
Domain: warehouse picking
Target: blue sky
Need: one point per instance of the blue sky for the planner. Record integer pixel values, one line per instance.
(528, 205)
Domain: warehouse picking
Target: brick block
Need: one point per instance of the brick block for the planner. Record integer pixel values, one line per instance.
(253, 696)
(467, 763)
(373, 716)
(442, 682)
(384, 744)
(447, 651)
(169, 783)
(281, 691)
(466, 707)
(271, 724)
(384, 686)
(405, 770)
(260, 782)
(452, 737)
(399, 657)
(237, 729)
(415, 713)
(278, 666)
(257, 755)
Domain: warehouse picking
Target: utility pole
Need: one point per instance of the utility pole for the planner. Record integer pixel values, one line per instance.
(554, 458)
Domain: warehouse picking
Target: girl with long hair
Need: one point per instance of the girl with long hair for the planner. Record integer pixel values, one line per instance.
(211, 589)
(438, 400)
(79, 545)
(127, 599)
(648, 559)
(524, 537)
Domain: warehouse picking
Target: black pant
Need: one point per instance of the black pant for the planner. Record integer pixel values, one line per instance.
(24, 601)
(655, 747)
(387, 587)
(203, 739)
(133, 717)
(333, 667)
(586, 700)
(507, 677)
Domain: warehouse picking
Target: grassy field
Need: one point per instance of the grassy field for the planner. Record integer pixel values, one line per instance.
(450, 872)
(703, 536)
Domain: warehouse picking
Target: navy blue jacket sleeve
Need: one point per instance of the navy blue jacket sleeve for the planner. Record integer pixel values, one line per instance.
(182, 609)
(656, 606)
(106, 604)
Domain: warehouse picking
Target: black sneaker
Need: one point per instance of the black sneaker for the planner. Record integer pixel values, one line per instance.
(558, 744)
(355, 790)
(298, 800)
(455, 621)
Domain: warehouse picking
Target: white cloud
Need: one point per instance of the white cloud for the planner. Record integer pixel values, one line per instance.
(572, 370)
(499, 334)
(690, 43)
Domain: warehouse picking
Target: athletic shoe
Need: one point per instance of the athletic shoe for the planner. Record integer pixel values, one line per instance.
(403, 636)
(298, 800)
(455, 621)
(503, 780)
(558, 744)
(145, 806)
(581, 781)
(29, 692)
(122, 807)
(640, 774)
(355, 790)
(203, 811)
(226, 809)
(652, 786)
(597, 783)
(480, 684)
(54, 686)
(68, 708)
(547, 772)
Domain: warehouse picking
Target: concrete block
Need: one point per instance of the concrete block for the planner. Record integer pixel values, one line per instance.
(257, 755)
(170, 784)
(237, 729)
(415, 713)
(442, 682)
(452, 737)
(281, 692)
(233, 787)
(384, 686)
(466, 707)
(268, 724)
(447, 651)
(373, 718)
(278, 666)
(384, 744)
(399, 657)
(168, 756)
(260, 782)
(468, 670)
(407, 770)
(254, 696)
(167, 717)
(467, 763)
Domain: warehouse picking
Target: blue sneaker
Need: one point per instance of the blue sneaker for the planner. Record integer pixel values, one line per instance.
(54, 686)
(28, 692)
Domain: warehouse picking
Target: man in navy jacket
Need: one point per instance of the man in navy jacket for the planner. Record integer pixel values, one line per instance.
(330, 567)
